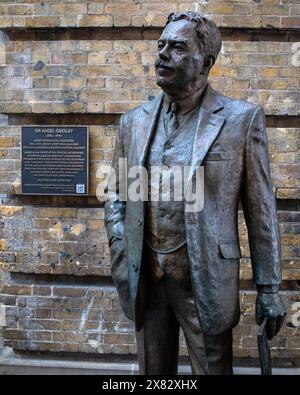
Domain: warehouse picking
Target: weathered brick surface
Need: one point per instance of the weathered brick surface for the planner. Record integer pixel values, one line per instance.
(53, 240)
(283, 148)
(57, 240)
(57, 13)
(114, 76)
(3, 279)
(290, 242)
(89, 320)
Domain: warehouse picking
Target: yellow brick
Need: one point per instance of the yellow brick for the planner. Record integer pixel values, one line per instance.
(127, 58)
(216, 71)
(240, 59)
(153, 19)
(165, 7)
(95, 8)
(95, 20)
(69, 8)
(268, 9)
(42, 21)
(122, 20)
(6, 21)
(47, 212)
(95, 45)
(95, 107)
(288, 193)
(16, 9)
(41, 107)
(19, 21)
(41, 223)
(120, 107)
(101, 142)
(96, 155)
(3, 245)
(122, 9)
(142, 46)
(97, 58)
(138, 21)
(95, 225)
(66, 83)
(290, 22)
(96, 83)
(288, 252)
(280, 84)
(67, 212)
(268, 72)
(292, 240)
(238, 21)
(68, 21)
(68, 57)
(6, 142)
(9, 211)
(66, 108)
(215, 8)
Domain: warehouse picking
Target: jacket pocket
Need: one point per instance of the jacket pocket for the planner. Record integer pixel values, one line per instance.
(219, 155)
(230, 250)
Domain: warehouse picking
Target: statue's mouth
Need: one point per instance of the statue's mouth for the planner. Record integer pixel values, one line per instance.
(163, 68)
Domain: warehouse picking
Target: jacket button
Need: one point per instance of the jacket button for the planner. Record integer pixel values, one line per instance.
(135, 267)
(140, 222)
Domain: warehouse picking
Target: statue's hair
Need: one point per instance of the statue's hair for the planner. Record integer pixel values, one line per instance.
(209, 36)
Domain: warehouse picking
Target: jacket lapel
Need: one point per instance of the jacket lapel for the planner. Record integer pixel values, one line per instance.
(208, 128)
(146, 127)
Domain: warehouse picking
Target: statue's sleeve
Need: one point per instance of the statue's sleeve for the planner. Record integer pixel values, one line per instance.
(259, 204)
(115, 205)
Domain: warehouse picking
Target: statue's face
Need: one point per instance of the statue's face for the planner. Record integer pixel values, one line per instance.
(180, 63)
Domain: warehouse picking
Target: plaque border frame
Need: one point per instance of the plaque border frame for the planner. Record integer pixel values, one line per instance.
(87, 156)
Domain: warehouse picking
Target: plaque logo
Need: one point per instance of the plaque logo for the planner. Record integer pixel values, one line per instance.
(80, 188)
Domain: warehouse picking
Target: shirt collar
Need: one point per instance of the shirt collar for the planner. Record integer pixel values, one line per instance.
(184, 106)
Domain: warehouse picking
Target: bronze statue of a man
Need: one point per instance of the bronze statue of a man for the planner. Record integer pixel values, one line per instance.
(175, 267)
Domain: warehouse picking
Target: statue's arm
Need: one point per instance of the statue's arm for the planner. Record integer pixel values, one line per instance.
(259, 205)
(115, 206)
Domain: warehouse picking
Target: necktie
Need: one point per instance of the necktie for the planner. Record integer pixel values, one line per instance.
(173, 120)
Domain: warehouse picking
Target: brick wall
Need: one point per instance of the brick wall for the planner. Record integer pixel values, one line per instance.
(104, 76)
(89, 13)
(84, 63)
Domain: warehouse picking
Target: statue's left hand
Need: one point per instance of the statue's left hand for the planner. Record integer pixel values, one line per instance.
(270, 305)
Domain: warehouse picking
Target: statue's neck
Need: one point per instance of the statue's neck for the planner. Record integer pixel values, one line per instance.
(189, 101)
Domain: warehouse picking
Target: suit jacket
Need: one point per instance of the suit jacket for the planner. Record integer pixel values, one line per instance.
(231, 143)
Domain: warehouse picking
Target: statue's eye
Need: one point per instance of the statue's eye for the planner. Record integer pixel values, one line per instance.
(160, 45)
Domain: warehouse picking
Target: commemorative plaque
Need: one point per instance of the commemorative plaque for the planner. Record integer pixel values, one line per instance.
(55, 160)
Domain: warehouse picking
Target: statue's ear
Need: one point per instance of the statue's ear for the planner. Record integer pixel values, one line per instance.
(209, 61)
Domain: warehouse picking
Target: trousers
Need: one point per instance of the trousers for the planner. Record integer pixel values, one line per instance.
(170, 306)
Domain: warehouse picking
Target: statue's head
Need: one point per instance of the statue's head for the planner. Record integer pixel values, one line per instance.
(187, 50)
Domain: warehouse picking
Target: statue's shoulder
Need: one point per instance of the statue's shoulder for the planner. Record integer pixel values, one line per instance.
(237, 106)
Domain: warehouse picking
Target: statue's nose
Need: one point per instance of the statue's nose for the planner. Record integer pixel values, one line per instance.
(164, 53)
